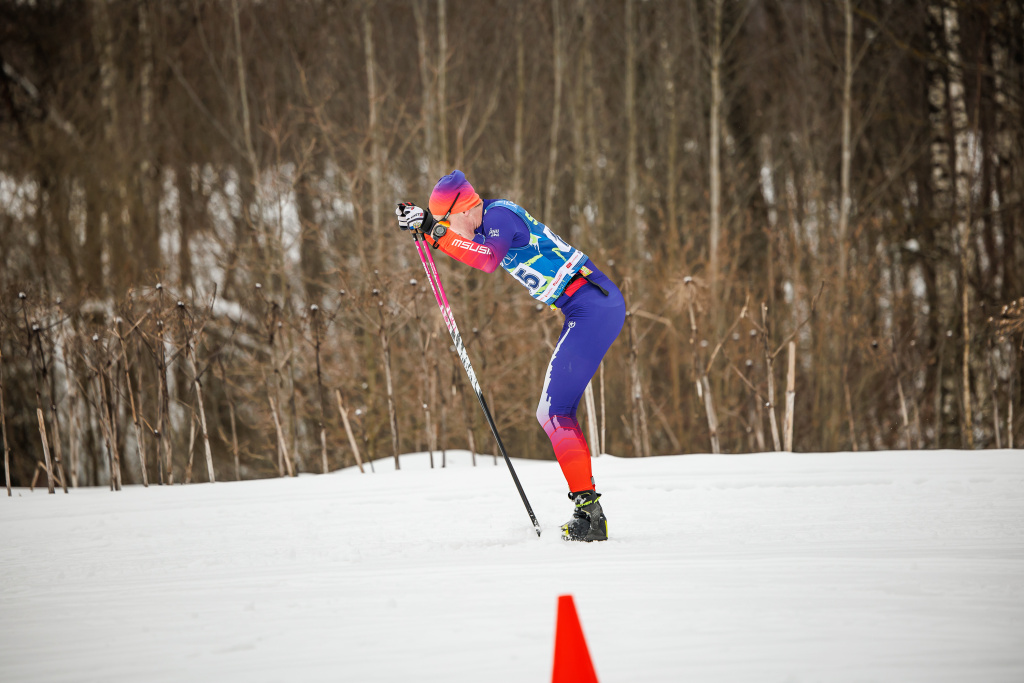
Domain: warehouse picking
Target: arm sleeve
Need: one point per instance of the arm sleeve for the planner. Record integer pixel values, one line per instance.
(487, 249)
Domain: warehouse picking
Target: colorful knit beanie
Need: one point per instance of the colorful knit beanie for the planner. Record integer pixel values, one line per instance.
(445, 191)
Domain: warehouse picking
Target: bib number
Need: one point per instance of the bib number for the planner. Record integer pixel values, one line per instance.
(529, 277)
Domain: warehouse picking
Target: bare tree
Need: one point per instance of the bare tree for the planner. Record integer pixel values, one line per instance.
(182, 142)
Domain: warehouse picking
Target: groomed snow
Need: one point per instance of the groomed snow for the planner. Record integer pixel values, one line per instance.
(891, 566)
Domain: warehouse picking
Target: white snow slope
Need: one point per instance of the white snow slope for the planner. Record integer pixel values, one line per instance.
(891, 566)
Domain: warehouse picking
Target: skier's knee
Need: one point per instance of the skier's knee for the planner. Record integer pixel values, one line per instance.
(542, 413)
(553, 422)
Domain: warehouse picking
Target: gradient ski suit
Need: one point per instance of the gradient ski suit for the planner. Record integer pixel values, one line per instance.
(558, 275)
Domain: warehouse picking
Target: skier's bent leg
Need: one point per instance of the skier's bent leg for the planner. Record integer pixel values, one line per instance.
(570, 449)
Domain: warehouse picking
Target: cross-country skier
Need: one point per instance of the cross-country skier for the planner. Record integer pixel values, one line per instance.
(486, 233)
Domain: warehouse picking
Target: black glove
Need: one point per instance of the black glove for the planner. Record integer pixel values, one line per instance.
(412, 217)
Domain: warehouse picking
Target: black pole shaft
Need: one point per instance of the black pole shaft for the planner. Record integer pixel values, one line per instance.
(501, 447)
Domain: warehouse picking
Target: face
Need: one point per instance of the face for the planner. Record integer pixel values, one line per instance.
(466, 222)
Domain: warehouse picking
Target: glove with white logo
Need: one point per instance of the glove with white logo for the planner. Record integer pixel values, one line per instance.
(412, 217)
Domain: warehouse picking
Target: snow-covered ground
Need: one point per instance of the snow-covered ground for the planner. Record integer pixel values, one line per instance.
(892, 566)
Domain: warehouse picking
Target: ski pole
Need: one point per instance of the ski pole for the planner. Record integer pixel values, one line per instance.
(449, 320)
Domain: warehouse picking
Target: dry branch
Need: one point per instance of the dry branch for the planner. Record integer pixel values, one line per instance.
(348, 430)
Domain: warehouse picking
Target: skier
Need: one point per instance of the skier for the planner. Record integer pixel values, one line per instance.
(486, 233)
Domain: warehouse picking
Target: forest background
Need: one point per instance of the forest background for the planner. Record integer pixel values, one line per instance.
(813, 208)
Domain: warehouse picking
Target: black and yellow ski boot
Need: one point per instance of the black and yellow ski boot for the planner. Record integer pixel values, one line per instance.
(588, 522)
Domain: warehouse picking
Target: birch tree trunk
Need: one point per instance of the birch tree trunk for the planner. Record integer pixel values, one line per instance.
(429, 106)
(442, 85)
(311, 251)
(963, 175)
(243, 91)
(372, 125)
(270, 249)
(556, 111)
(148, 237)
(938, 112)
(115, 193)
(673, 239)
(594, 140)
(580, 233)
(634, 234)
(844, 170)
(942, 192)
(828, 392)
(520, 115)
(1007, 23)
(714, 143)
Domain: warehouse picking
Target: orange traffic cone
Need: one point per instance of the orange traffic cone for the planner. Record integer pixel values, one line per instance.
(572, 659)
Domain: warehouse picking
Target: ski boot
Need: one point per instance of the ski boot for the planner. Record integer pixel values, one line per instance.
(588, 522)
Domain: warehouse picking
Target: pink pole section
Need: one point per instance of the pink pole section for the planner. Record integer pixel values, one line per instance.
(435, 284)
(420, 246)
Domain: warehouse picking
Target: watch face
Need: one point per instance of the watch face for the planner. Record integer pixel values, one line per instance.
(440, 230)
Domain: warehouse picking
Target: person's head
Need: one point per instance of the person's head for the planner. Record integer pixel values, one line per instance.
(454, 200)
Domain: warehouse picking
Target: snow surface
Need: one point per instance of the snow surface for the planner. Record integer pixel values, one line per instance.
(885, 566)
